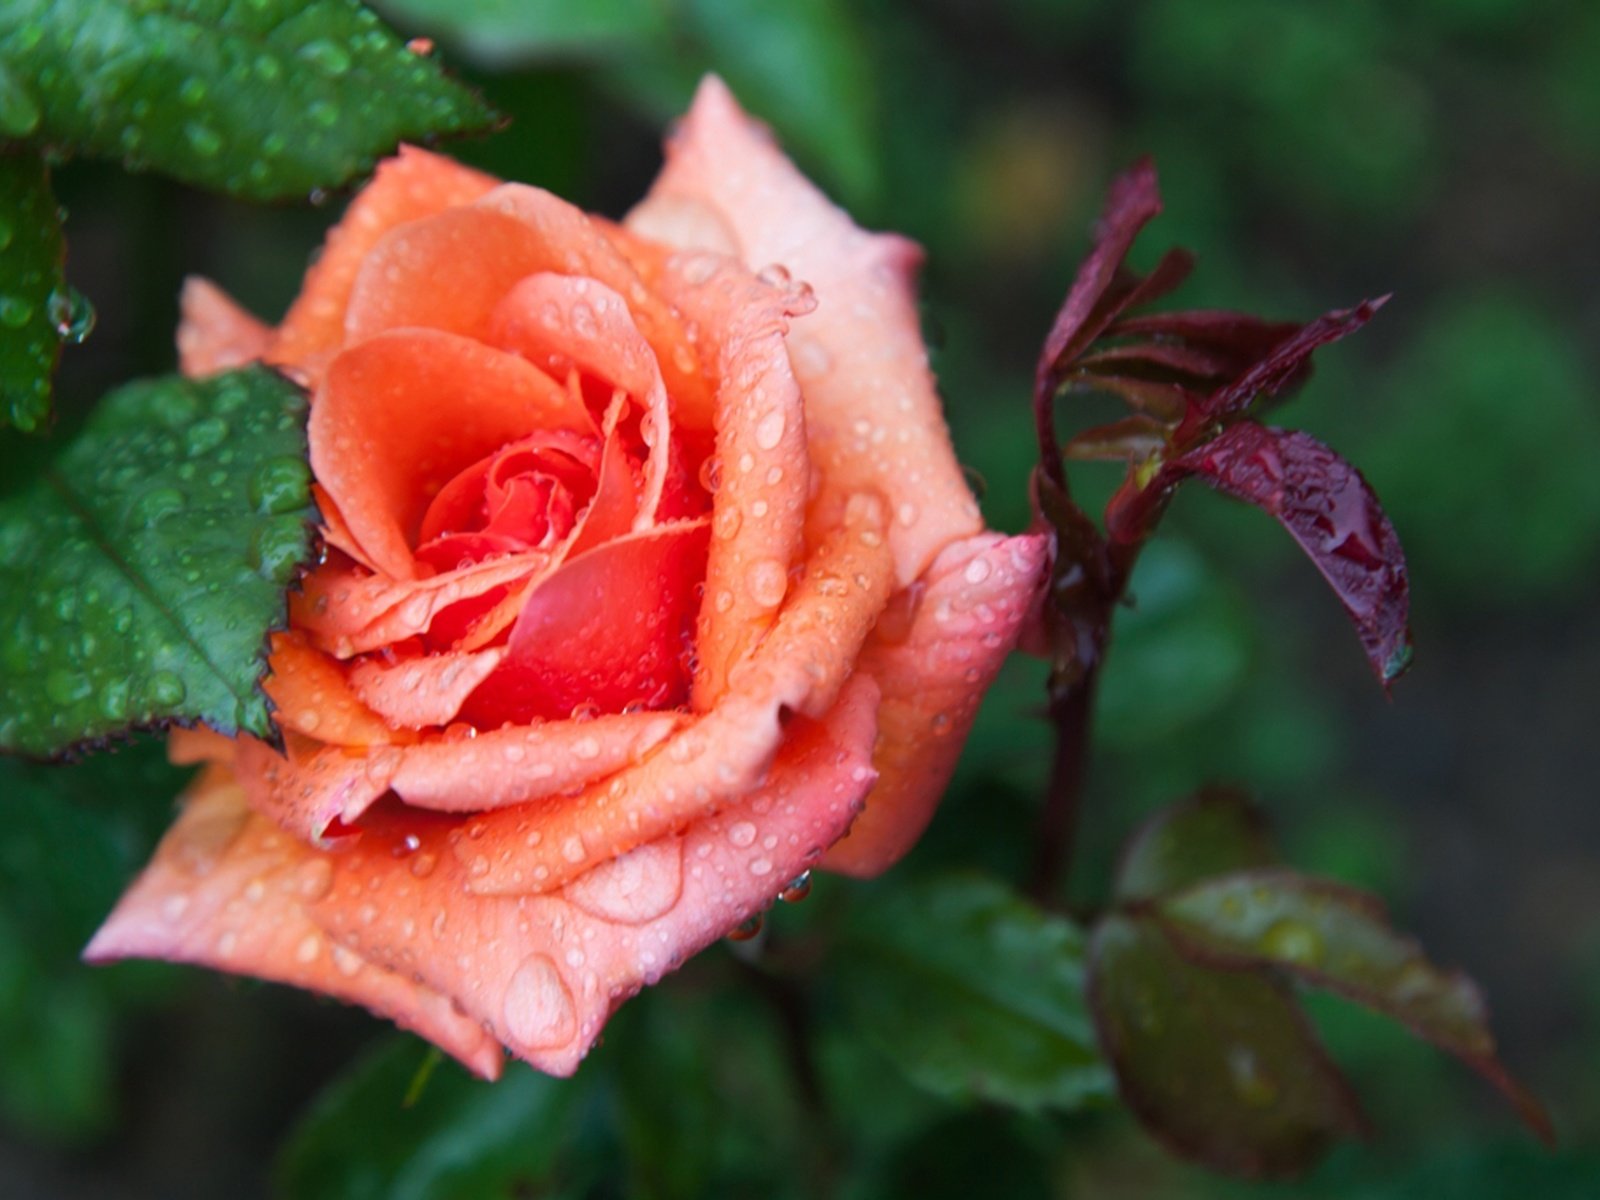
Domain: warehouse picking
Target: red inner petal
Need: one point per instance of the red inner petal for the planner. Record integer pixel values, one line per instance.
(610, 630)
(526, 496)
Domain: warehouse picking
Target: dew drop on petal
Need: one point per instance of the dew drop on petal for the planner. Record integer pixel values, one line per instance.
(769, 432)
(538, 1006)
(767, 582)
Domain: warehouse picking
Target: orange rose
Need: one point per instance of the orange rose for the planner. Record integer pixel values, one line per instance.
(651, 582)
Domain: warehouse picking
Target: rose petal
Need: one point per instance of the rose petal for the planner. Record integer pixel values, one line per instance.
(335, 532)
(311, 786)
(214, 333)
(399, 415)
(410, 186)
(723, 754)
(345, 610)
(527, 762)
(198, 745)
(227, 890)
(558, 323)
(871, 408)
(763, 475)
(933, 667)
(605, 630)
(428, 690)
(313, 697)
(578, 245)
(544, 972)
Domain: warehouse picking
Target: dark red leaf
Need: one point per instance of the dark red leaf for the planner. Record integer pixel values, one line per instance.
(1325, 505)
(1132, 438)
(1134, 200)
(1243, 336)
(1339, 938)
(1283, 368)
(1158, 360)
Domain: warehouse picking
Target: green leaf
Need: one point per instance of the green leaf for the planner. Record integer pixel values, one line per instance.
(704, 1099)
(1215, 831)
(31, 254)
(503, 33)
(69, 839)
(264, 100)
(1339, 938)
(461, 1138)
(974, 993)
(1220, 1066)
(803, 68)
(141, 574)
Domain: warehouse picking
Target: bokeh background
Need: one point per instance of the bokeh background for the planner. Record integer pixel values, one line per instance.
(1312, 154)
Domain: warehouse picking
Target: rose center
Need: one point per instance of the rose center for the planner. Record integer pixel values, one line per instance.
(528, 495)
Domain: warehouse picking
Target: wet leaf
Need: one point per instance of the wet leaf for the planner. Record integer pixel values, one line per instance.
(1284, 367)
(1326, 506)
(1130, 439)
(1216, 831)
(1339, 938)
(1095, 299)
(31, 287)
(141, 573)
(265, 100)
(974, 993)
(459, 1139)
(1220, 1066)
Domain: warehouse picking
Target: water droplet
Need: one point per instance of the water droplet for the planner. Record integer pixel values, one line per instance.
(71, 314)
(1254, 1085)
(746, 929)
(538, 1007)
(205, 435)
(276, 546)
(66, 687)
(164, 689)
(1293, 941)
(114, 700)
(797, 889)
(742, 834)
(347, 962)
(327, 56)
(768, 582)
(761, 866)
(15, 312)
(203, 140)
(769, 432)
(423, 864)
(314, 879)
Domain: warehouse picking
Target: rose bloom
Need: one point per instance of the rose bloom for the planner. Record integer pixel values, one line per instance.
(651, 583)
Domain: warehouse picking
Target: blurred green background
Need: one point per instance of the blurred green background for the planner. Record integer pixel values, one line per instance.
(1312, 154)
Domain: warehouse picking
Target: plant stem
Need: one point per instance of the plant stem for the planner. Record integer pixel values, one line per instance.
(1071, 714)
